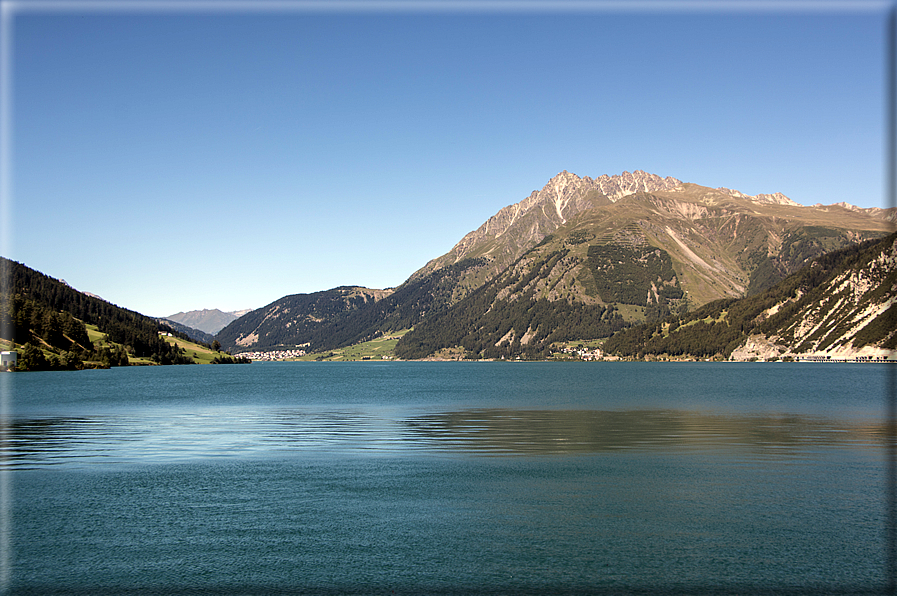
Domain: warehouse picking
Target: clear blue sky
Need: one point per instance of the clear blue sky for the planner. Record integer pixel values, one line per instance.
(220, 158)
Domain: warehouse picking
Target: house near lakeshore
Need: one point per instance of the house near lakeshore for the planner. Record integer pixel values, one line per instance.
(8, 360)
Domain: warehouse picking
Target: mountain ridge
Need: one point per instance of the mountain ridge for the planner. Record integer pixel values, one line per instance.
(718, 243)
(562, 197)
(209, 321)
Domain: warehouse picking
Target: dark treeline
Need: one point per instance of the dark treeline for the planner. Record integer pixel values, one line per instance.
(228, 359)
(40, 310)
(717, 328)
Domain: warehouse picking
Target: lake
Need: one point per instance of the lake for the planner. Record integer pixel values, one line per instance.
(447, 478)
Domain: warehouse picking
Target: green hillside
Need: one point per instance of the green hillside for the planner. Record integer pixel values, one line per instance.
(349, 315)
(48, 323)
(511, 316)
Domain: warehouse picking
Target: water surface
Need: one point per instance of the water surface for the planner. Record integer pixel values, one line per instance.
(448, 478)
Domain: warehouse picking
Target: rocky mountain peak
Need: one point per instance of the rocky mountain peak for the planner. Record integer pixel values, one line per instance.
(518, 227)
(618, 186)
(775, 198)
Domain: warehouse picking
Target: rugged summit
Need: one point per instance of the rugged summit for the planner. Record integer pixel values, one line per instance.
(618, 186)
(505, 236)
(775, 198)
(728, 242)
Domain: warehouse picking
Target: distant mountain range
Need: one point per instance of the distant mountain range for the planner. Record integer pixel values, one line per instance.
(210, 321)
(581, 258)
(191, 333)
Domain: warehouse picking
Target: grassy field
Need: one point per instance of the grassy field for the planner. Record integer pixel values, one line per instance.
(98, 338)
(200, 354)
(94, 334)
(631, 312)
(378, 349)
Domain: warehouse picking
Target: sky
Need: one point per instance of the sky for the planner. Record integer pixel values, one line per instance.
(178, 156)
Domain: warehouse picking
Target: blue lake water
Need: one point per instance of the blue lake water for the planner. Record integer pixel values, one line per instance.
(446, 478)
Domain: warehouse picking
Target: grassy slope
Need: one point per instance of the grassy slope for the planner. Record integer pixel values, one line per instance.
(200, 354)
(98, 338)
(370, 350)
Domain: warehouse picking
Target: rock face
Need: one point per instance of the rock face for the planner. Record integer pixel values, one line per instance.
(841, 306)
(619, 186)
(773, 199)
(725, 243)
(853, 314)
(758, 347)
(518, 227)
(505, 236)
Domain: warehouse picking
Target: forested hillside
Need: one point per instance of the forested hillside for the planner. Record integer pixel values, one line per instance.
(844, 302)
(638, 275)
(43, 314)
(506, 318)
(347, 315)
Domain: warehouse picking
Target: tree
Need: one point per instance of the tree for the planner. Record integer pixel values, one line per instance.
(32, 358)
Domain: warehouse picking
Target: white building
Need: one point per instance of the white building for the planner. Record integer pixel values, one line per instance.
(8, 360)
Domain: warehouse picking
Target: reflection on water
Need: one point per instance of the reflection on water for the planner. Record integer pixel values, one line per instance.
(238, 432)
(550, 431)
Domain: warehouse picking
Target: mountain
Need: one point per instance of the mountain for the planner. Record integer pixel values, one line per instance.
(637, 259)
(580, 258)
(842, 305)
(195, 335)
(294, 321)
(517, 228)
(505, 236)
(346, 315)
(210, 321)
